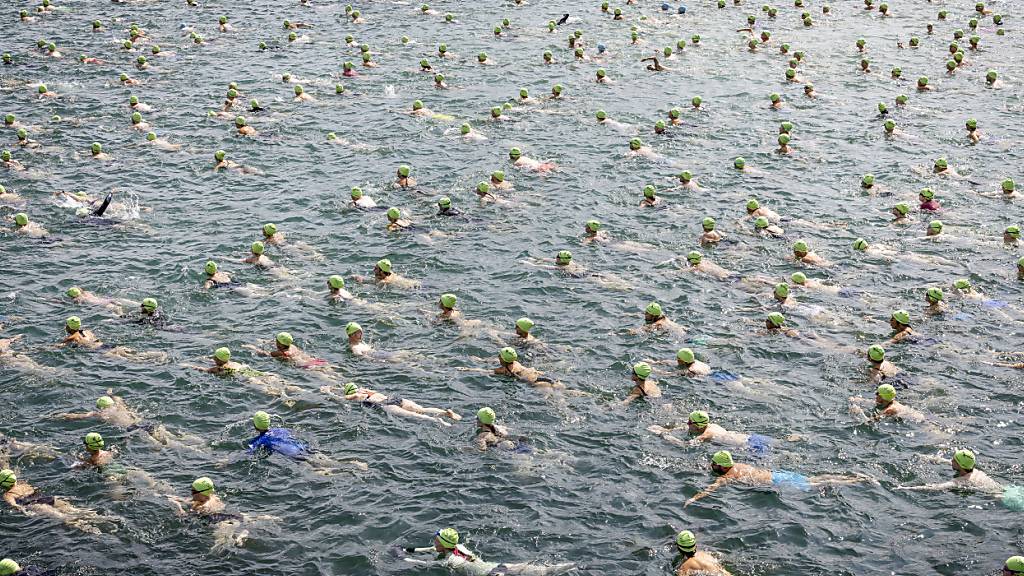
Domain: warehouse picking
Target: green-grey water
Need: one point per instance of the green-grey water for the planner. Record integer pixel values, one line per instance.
(608, 494)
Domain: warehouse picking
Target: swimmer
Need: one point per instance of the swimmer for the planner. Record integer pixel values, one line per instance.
(215, 278)
(208, 506)
(395, 220)
(696, 263)
(696, 562)
(361, 200)
(686, 181)
(901, 213)
(134, 104)
(900, 322)
(765, 229)
(355, 339)
(688, 363)
(393, 405)
(885, 405)
(469, 134)
(459, 559)
(729, 472)
(801, 279)
(674, 116)
(257, 257)
(927, 199)
(10, 163)
(604, 120)
(23, 497)
(943, 168)
(24, 141)
(508, 359)
(445, 208)
(10, 197)
(650, 199)
(966, 477)
(498, 181)
(161, 143)
(1011, 235)
(243, 127)
(593, 233)
(403, 179)
(103, 461)
(222, 162)
(418, 109)
(784, 144)
(781, 295)
(301, 95)
(114, 411)
(656, 320)
(383, 274)
(520, 161)
(81, 296)
(562, 262)
(709, 236)
(271, 384)
(934, 297)
(128, 80)
(23, 451)
(522, 329)
(801, 253)
(972, 130)
(700, 427)
(962, 287)
(25, 227)
(879, 368)
(286, 351)
(776, 323)
(280, 441)
(448, 312)
(489, 433)
(637, 148)
(755, 210)
(642, 387)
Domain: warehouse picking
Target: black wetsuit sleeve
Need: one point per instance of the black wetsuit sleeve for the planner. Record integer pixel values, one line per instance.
(103, 207)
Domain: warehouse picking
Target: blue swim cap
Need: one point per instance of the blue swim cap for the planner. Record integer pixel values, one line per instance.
(600, 48)
(664, 6)
(682, 9)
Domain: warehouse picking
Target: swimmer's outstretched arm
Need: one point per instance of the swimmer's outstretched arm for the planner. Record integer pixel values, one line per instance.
(210, 369)
(477, 370)
(667, 435)
(929, 487)
(75, 415)
(707, 491)
(9, 498)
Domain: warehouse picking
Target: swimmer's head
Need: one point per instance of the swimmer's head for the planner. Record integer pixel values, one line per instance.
(448, 301)
(384, 265)
(448, 538)
(219, 155)
(104, 402)
(514, 153)
(403, 171)
(860, 244)
(902, 99)
(886, 393)
(486, 416)
(394, 214)
(901, 209)
(73, 324)
(635, 144)
(508, 355)
(739, 163)
(222, 354)
(686, 356)
(922, 82)
(934, 295)
(800, 248)
(284, 339)
(649, 191)
(444, 203)
(557, 89)
(21, 219)
(722, 461)
(257, 248)
(74, 292)
(867, 181)
(498, 176)
(962, 284)
(774, 97)
(350, 388)
(149, 305)
(708, 224)
(653, 311)
(696, 101)
(775, 320)
(798, 278)
(1012, 232)
(336, 282)
(685, 176)
(261, 421)
(563, 258)
(593, 226)
(202, 486)
(964, 459)
(752, 205)
(524, 325)
(136, 117)
(889, 125)
(356, 193)
(7, 479)
(641, 370)
(150, 136)
(991, 76)
(1008, 185)
(876, 353)
(1014, 565)
(686, 542)
(93, 442)
(760, 223)
(298, 89)
(352, 328)
(674, 113)
(901, 317)
(96, 148)
(694, 257)
(783, 139)
(781, 290)
(940, 165)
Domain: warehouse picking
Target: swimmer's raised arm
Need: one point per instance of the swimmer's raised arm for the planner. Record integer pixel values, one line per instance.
(707, 491)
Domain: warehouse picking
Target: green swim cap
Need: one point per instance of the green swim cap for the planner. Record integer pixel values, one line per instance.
(752, 205)
(9, 567)
(7, 479)
(73, 323)
(649, 191)
(708, 223)
(5, 155)
(336, 282)
(498, 176)
(149, 304)
(901, 316)
(257, 248)
(685, 176)
(210, 267)
(448, 301)
(799, 247)
(352, 327)
(202, 486)
(1013, 231)
(74, 292)
(635, 143)
(922, 81)
(868, 180)
(889, 125)
(686, 541)
(563, 257)
(284, 339)
(783, 139)
(21, 219)
(782, 290)
(93, 441)
(654, 309)
(150, 136)
(991, 76)
(1015, 564)
(136, 117)
(96, 148)
(696, 101)
(860, 244)
(593, 225)
(686, 356)
(298, 89)
(790, 73)
(483, 187)
(941, 164)
(403, 171)
(445, 202)
(222, 354)
(965, 459)
(439, 78)
(481, 57)
(508, 354)
(417, 104)
(886, 392)
(739, 163)
(774, 97)
(496, 112)
(674, 113)
(384, 264)
(104, 402)
(1008, 185)
(557, 89)
(449, 538)
(350, 388)
(971, 124)
(9, 119)
(642, 369)
(723, 458)
(798, 278)
(486, 415)
(465, 128)
(876, 353)
(962, 284)
(239, 121)
(357, 192)
(760, 222)
(514, 153)
(935, 225)
(524, 324)
(218, 155)
(776, 319)
(22, 134)
(902, 208)
(693, 257)
(261, 421)
(394, 213)
(141, 60)
(902, 99)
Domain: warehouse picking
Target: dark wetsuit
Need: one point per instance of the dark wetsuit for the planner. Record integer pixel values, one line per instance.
(278, 440)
